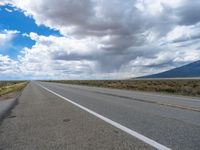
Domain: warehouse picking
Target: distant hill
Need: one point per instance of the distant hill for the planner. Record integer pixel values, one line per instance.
(189, 70)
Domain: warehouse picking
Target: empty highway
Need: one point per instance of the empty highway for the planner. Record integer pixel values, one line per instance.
(61, 116)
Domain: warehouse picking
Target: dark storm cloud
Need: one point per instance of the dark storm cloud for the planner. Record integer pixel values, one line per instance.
(123, 24)
(72, 56)
(189, 12)
(185, 39)
(63, 12)
(109, 60)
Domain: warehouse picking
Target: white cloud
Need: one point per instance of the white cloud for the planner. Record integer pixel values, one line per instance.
(8, 67)
(67, 45)
(41, 61)
(184, 33)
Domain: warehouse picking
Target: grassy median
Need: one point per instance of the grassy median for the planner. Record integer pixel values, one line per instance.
(11, 86)
(178, 87)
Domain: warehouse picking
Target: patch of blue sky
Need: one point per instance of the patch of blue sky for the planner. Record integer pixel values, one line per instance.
(13, 19)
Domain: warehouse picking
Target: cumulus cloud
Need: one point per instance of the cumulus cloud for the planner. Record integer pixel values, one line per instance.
(110, 38)
(41, 60)
(8, 68)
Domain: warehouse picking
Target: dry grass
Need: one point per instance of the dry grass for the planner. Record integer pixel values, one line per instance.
(180, 87)
(11, 86)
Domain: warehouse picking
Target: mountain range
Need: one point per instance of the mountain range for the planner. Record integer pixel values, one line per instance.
(186, 71)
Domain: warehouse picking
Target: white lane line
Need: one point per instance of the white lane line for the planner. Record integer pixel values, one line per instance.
(123, 128)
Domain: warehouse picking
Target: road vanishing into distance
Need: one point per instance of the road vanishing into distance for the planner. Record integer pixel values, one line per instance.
(61, 116)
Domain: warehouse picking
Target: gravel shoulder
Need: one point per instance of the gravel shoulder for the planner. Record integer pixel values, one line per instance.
(7, 102)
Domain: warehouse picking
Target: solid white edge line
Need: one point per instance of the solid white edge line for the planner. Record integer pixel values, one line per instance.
(115, 124)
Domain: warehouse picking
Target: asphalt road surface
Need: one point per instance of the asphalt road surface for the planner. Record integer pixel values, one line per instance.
(61, 116)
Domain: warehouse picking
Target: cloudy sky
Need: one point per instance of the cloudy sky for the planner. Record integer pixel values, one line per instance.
(96, 39)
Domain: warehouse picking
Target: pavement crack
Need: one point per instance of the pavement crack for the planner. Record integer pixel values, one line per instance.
(67, 120)
(12, 116)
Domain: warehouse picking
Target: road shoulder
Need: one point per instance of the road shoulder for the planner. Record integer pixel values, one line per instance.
(7, 102)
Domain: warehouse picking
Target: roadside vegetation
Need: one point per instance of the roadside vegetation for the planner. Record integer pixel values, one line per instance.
(178, 87)
(11, 86)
